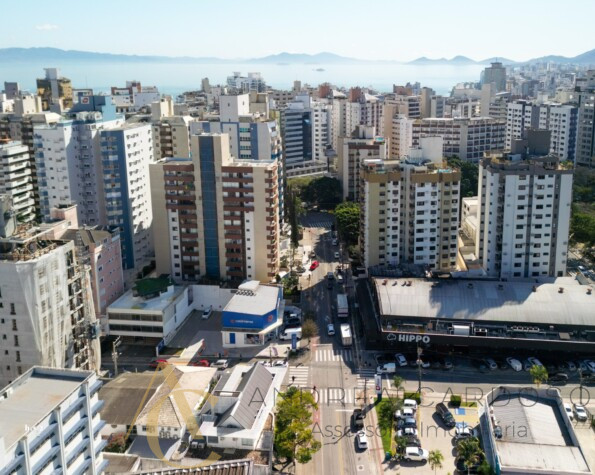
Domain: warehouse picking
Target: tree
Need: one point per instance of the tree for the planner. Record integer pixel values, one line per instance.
(309, 329)
(401, 444)
(485, 468)
(324, 191)
(347, 215)
(538, 374)
(294, 210)
(469, 175)
(294, 439)
(398, 382)
(470, 451)
(117, 443)
(388, 408)
(435, 459)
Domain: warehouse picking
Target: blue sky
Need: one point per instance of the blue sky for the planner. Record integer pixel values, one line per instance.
(374, 29)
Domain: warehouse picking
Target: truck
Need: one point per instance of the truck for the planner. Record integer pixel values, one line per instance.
(342, 306)
(346, 334)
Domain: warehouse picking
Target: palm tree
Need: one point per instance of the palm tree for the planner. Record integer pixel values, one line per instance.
(470, 451)
(538, 374)
(435, 459)
(398, 382)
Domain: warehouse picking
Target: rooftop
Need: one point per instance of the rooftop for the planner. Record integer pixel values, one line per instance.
(455, 299)
(129, 302)
(33, 396)
(535, 435)
(126, 394)
(253, 298)
(151, 285)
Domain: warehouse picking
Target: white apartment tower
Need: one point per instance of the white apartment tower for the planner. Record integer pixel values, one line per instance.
(524, 209)
(360, 108)
(51, 423)
(560, 120)
(47, 316)
(16, 180)
(585, 93)
(409, 210)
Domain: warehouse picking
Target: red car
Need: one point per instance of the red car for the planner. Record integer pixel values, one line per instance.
(157, 363)
(314, 265)
(204, 363)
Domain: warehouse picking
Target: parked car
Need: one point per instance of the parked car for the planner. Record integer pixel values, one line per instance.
(405, 413)
(158, 363)
(203, 363)
(386, 368)
(447, 364)
(445, 415)
(401, 360)
(527, 365)
(589, 379)
(464, 431)
(362, 440)
(580, 412)
(335, 242)
(534, 361)
(330, 329)
(357, 419)
(514, 363)
(330, 276)
(571, 366)
(314, 265)
(412, 441)
(411, 403)
(300, 269)
(312, 255)
(293, 322)
(590, 365)
(220, 364)
(206, 313)
(337, 255)
(415, 454)
(281, 363)
(382, 358)
(558, 378)
(491, 364)
(339, 278)
(406, 432)
(568, 411)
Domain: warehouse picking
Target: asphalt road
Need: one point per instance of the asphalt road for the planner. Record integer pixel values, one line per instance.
(333, 369)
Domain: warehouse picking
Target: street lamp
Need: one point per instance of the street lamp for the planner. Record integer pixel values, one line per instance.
(419, 353)
(116, 343)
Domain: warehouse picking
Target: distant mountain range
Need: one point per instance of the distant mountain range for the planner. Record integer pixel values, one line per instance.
(48, 55)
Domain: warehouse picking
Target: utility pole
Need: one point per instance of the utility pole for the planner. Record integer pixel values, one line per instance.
(419, 353)
(115, 346)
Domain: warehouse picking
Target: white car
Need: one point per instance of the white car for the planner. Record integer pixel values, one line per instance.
(581, 413)
(534, 361)
(416, 454)
(490, 363)
(401, 360)
(220, 364)
(568, 410)
(335, 242)
(362, 440)
(330, 329)
(206, 313)
(337, 255)
(514, 364)
(281, 363)
(407, 431)
(405, 413)
(410, 403)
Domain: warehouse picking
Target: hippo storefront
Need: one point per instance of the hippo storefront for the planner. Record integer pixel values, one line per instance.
(253, 315)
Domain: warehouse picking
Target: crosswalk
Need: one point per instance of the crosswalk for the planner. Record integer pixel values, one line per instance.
(339, 396)
(365, 378)
(333, 355)
(298, 376)
(323, 223)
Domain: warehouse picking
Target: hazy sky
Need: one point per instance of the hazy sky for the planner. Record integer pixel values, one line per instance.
(374, 29)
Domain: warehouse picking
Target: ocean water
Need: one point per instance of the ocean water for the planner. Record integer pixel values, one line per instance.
(174, 78)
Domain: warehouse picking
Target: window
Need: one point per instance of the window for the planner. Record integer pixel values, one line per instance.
(12, 310)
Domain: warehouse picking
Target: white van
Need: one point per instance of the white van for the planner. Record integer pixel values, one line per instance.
(386, 368)
(286, 334)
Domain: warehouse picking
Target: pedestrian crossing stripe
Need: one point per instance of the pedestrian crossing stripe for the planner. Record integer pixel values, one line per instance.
(301, 374)
(319, 224)
(333, 355)
(339, 396)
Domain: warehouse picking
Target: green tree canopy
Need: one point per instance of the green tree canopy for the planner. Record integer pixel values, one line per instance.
(538, 374)
(325, 192)
(309, 329)
(469, 175)
(294, 439)
(435, 459)
(347, 215)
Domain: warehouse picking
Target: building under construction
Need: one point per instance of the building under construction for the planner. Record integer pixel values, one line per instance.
(46, 311)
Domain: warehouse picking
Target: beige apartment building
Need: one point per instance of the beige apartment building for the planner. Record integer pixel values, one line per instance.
(409, 210)
(214, 216)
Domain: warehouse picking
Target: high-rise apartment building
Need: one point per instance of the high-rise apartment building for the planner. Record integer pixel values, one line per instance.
(465, 138)
(560, 120)
(216, 216)
(243, 84)
(409, 210)
(401, 136)
(496, 74)
(51, 423)
(54, 90)
(305, 125)
(525, 197)
(16, 180)
(363, 144)
(585, 95)
(359, 108)
(47, 316)
(68, 160)
(126, 153)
